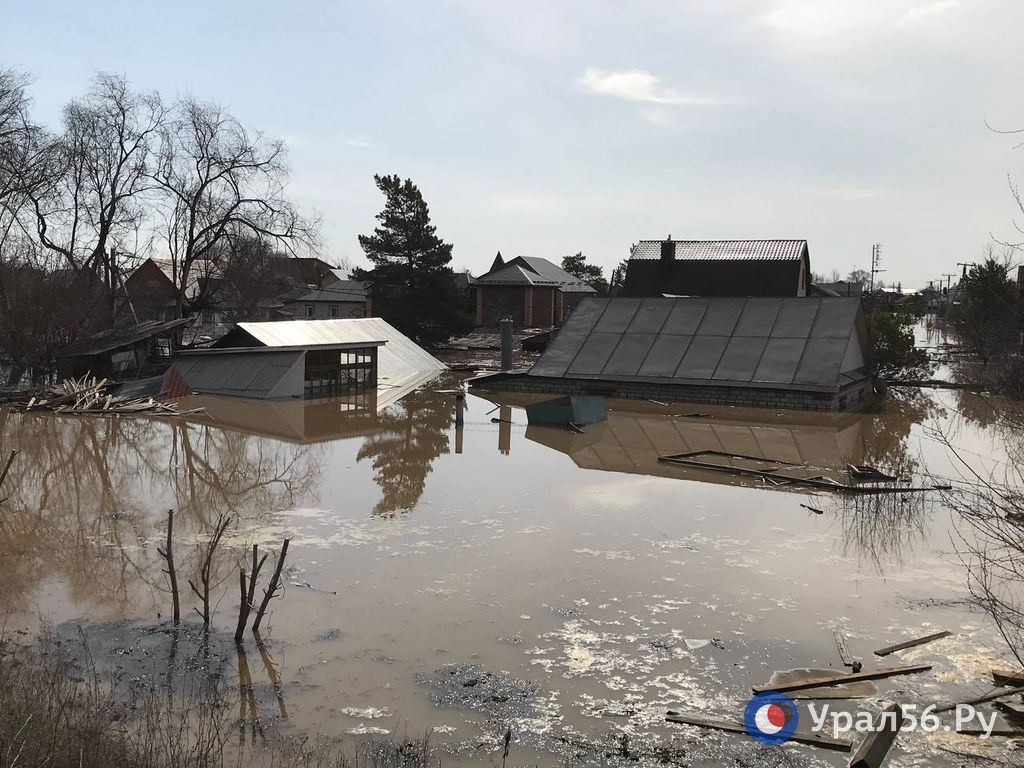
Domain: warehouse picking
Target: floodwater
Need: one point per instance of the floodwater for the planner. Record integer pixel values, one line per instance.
(459, 582)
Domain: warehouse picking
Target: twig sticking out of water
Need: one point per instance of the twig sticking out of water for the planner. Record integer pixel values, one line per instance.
(247, 594)
(167, 553)
(271, 591)
(207, 568)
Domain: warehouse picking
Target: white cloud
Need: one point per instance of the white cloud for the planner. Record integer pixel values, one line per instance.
(638, 85)
(356, 141)
(930, 11)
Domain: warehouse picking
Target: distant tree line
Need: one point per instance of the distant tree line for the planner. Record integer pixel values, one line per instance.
(126, 175)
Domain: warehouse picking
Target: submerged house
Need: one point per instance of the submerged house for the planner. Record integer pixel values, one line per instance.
(809, 353)
(123, 352)
(533, 292)
(341, 299)
(304, 358)
(780, 268)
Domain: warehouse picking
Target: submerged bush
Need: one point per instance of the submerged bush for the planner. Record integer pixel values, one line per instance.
(892, 338)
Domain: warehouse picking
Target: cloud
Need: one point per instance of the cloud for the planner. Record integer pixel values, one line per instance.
(820, 20)
(930, 11)
(356, 141)
(638, 85)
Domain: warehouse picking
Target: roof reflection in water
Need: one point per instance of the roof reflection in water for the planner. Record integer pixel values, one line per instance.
(302, 421)
(636, 434)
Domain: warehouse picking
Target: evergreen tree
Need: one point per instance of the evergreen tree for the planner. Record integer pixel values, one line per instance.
(591, 274)
(411, 283)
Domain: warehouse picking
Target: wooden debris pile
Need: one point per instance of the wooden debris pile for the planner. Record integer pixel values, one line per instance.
(92, 396)
(873, 748)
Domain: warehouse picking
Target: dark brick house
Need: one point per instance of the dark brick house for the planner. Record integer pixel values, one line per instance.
(532, 291)
(776, 268)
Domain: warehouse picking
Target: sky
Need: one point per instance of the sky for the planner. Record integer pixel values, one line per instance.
(545, 128)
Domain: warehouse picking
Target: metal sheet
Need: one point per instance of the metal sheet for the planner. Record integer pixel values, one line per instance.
(780, 360)
(650, 317)
(721, 316)
(758, 317)
(835, 319)
(617, 316)
(685, 316)
(701, 359)
(399, 361)
(567, 343)
(629, 355)
(820, 363)
(740, 359)
(796, 318)
(664, 355)
(594, 353)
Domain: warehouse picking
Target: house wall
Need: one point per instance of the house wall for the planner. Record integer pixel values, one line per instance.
(715, 277)
(322, 309)
(528, 306)
(853, 398)
(496, 302)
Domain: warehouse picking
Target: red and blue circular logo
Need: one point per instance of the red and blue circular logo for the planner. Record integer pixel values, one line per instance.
(771, 717)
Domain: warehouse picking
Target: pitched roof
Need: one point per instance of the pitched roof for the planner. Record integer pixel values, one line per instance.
(399, 361)
(532, 270)
(343, 290)
(744, 250)
(807, 343)
(115, 338)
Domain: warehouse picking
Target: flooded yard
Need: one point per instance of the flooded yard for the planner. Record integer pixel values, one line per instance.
(464, 583)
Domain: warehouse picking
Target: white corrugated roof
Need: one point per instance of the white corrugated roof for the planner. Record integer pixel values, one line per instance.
(399, 361)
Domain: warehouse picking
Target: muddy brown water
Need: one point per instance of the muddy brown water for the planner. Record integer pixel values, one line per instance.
(459, 582)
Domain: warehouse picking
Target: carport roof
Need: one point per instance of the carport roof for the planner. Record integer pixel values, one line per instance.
(813, 344)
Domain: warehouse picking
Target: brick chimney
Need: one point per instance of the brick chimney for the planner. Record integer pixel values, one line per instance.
(668, 249)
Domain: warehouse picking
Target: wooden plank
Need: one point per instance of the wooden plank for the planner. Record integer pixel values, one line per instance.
(875, 746)
(840, 679)
(844, 650)
(730, 726)
(999, 694)
(912, 643)
(1008, 677)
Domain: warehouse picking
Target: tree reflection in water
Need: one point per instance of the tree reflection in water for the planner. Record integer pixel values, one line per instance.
(882, 529)
(988, 502)
(411, 434)
(88, 495)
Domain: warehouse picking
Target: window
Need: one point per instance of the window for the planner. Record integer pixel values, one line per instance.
(334, 310)
(333, 371)
(310, 310)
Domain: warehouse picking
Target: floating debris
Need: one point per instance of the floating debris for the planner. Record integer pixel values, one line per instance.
(912, 643)
(842, 679)
(91, 396)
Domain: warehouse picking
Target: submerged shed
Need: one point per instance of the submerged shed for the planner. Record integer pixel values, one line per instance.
(297, 358)
(803, 353)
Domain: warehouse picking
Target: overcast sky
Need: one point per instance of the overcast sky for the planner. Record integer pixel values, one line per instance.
(545, 128)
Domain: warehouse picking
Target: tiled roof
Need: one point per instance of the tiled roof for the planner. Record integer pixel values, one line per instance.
(744, 250)
(533, 270)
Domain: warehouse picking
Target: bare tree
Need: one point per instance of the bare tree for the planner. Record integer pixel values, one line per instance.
(247, 594)
(271, 591)
(206, 569)
(220, 182)
(20, 146)
(167, 553)
(92, 210)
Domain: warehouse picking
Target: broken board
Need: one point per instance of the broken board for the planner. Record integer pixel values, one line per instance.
(842, 679)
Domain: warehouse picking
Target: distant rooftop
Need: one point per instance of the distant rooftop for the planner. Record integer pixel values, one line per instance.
(531, 270)
(768, 250)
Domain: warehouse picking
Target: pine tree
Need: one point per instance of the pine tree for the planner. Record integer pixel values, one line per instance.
(412, 285)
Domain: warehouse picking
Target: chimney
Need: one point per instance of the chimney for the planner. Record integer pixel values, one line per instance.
(668, 249)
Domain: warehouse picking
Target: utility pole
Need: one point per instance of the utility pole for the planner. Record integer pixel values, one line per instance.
(876, 257)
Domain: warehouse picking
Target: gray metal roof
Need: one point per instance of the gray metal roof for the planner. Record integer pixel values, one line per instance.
(801, 343)
(771, 250)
